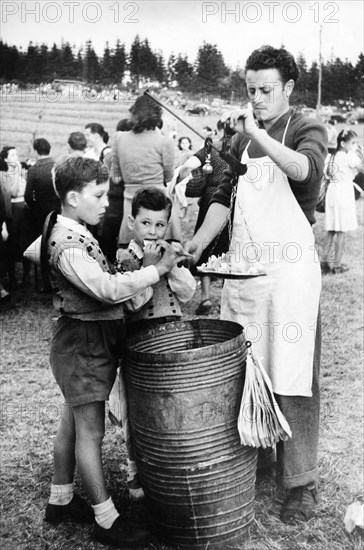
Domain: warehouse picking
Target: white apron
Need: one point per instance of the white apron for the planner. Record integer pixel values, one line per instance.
(278, 311)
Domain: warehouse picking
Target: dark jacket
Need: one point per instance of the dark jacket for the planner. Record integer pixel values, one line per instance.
(304, 135)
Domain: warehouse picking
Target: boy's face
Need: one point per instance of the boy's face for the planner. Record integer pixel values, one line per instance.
(89, 205)
(149, 225)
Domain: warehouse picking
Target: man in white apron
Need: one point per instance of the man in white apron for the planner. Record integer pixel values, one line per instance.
(272, 223)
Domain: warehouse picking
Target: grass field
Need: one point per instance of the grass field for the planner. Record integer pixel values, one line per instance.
(31, 400)
(23, 118)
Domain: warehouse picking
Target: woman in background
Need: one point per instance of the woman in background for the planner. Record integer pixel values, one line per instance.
(142, 157)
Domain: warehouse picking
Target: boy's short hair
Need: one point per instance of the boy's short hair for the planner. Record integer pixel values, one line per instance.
(77, 141)
(151, 198)
(75, 173)
(267, 57)
(42, 146)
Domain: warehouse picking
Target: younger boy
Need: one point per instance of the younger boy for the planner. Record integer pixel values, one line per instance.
(86, 343)
(150, 214)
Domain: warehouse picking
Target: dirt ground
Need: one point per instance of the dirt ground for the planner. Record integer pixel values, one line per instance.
(31, 404)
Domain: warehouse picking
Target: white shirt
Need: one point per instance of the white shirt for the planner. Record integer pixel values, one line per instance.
(85, 273)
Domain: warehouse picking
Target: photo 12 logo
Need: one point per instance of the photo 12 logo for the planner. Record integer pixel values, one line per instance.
(268, 12)
(69, 12)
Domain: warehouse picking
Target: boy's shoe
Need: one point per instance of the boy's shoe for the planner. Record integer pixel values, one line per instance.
(341, 269)
(135, 489)
(76, 510)
(204, 307)
(300, 504)
(121, 535)
(325, 268)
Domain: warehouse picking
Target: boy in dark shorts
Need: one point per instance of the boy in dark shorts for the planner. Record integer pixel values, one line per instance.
(148, 223)
(87, 338)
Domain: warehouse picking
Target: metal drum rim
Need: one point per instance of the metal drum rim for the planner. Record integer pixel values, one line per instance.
(170, 356)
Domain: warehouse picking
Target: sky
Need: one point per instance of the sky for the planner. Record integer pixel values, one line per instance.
(237, 28)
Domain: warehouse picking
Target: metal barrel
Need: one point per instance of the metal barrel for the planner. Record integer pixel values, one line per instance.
(185, 383)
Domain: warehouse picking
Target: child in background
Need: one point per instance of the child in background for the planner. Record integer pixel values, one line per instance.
(148, 222)
(85, 346)
(340, 208)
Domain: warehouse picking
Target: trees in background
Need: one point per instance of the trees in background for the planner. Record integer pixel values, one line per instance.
(208, 75)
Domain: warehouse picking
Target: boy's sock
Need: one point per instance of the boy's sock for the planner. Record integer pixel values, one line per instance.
(61, 495)
(105, 513)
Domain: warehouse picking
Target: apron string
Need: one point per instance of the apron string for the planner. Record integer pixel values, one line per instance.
(285, 130)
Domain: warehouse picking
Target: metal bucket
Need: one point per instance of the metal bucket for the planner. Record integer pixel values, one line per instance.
(185, 382)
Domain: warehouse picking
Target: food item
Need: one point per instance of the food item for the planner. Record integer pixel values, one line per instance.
(226, 263)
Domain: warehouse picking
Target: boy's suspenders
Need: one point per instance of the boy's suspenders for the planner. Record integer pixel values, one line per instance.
(49, 223)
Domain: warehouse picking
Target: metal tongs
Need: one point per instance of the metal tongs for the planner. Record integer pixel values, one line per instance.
(237, 167)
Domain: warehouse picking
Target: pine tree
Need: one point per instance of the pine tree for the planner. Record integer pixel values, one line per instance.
(171, 72)
(118, 62)
(359, 80)
(67, 69)
(134, 60)
(91, 63)
(79, 73)
(160, 72)
(43, 63)
(31, 66)
(54, 62)
(210, 68)
(184, 72)
(301, 86)
(10, 62)
(106, 66)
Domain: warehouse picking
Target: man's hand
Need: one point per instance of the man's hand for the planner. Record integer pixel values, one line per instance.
(243, 121)
(195, 249)
(172, 255)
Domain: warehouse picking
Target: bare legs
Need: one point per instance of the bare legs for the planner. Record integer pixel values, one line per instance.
(79, 439)
(205, 288)
(334, 249)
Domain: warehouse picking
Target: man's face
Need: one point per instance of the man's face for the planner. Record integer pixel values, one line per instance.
(268, 94)
(91, 202)
(149, 225)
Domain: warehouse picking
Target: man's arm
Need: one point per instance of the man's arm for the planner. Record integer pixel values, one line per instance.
(215, 219)
(292, 163)
(191, 164)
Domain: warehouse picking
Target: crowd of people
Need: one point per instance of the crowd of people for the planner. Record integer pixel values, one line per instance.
(141, 155)
(115, 215)
(28, 195)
